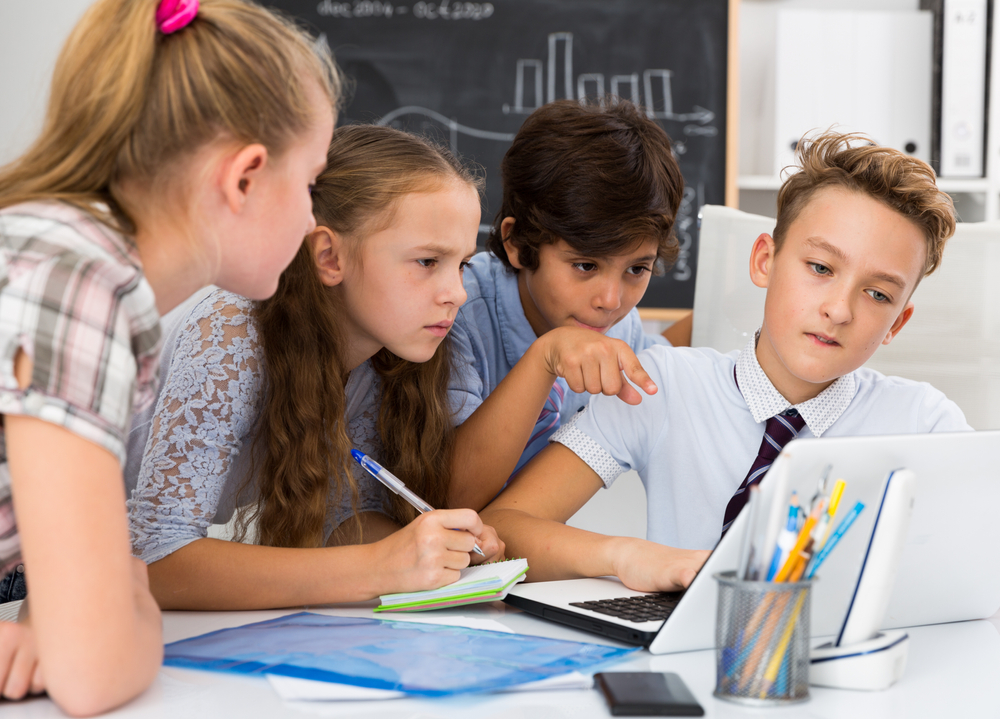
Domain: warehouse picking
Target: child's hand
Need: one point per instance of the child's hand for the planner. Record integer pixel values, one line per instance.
(591, 362)
(20, 672)
(427, 553)
(492, 546)
(650, 567)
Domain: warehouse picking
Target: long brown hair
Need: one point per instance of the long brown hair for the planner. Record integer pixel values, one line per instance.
(303, 446)
(128, 103)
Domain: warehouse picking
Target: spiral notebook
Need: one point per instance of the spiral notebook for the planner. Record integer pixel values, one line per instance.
(480, 583)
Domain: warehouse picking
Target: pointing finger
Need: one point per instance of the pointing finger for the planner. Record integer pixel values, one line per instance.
(633, 370)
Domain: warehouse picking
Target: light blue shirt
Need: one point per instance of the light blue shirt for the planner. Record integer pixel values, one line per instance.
(491, 333)
(694, 441)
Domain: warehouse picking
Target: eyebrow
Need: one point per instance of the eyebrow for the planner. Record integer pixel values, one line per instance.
(576, 256)
(821, 244)
(434, 250)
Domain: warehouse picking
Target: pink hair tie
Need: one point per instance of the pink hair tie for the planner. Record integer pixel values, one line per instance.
(173, 15)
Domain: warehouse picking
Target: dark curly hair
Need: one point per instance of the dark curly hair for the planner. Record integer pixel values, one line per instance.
(601, 177)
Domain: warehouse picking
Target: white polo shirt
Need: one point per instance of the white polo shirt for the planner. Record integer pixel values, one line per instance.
(694, 441)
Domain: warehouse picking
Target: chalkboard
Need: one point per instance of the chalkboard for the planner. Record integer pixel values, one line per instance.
(468, 73)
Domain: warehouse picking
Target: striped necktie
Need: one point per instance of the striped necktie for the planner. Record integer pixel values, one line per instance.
(545, 426)
(779, 431)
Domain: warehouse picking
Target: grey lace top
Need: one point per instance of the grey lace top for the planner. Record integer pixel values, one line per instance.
(189, 453)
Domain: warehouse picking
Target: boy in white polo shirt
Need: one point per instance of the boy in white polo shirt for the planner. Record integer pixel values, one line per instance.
(856, 230)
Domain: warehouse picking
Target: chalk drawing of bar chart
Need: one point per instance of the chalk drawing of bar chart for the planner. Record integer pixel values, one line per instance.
(537, 83)
(557, 70)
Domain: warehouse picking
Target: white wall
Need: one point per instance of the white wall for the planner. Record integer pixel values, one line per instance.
(31, 34)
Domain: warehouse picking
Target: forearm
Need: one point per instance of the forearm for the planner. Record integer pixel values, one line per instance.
(98, 653)
(489, 443)
(554, 550)
(211, 574)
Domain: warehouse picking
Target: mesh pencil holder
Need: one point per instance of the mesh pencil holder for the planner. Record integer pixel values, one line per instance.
(762, 641)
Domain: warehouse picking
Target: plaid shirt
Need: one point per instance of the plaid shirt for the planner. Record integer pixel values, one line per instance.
(73, 297)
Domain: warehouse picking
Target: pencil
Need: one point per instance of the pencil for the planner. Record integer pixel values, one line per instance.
(771, 674)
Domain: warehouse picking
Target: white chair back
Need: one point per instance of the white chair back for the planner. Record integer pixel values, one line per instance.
(952, 340)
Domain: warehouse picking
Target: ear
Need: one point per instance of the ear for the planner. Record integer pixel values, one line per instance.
(242, 174)
(327, 249)
(903, 318)
(508, 244)
(762, 259)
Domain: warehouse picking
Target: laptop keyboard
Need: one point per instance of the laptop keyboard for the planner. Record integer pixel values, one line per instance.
(645, 608)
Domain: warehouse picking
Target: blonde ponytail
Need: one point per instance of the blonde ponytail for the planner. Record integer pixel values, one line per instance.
(127, 101)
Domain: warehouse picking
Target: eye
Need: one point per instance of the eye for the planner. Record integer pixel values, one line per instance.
(312, 189)
(427, 262)
(879, 296)
(462, 265)
(819, 269)
(638, 270)
(585, 266)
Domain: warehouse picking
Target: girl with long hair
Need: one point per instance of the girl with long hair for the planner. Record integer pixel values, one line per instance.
(177, 151)
(262, 402)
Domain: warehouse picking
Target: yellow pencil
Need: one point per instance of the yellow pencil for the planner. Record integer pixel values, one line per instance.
(838, 490)
(826, 526)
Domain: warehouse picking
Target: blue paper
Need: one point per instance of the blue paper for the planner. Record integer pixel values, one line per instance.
(419, 659)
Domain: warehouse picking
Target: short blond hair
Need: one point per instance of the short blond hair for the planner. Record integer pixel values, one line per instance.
(854, 162)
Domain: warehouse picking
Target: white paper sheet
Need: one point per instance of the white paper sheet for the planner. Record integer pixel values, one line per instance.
(292, 689)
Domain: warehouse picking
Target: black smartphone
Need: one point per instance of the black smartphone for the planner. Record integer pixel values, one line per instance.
(647, 694)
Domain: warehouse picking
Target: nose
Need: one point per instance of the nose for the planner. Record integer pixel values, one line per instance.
(837, 306)
(453, 292)
(608, 294)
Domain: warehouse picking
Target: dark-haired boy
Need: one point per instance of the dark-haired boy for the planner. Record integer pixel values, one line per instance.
(590, 194)
(857, 229)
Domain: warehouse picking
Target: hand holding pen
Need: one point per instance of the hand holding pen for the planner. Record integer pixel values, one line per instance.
(396, 486)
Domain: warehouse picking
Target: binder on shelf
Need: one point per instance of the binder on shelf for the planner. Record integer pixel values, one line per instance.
(856, 70)
(962, 31)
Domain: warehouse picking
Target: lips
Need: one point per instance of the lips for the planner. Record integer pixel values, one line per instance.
(440, 329)
(823, 339)
(585, 326)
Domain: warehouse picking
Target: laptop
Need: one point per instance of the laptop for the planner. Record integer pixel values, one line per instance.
(949, 570)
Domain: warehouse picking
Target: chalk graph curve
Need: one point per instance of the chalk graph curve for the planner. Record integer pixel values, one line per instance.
(447, 122)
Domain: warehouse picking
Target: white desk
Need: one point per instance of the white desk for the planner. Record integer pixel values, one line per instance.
(953, 671)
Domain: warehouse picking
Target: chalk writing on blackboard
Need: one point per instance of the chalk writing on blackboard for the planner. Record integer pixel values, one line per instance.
(445, 10)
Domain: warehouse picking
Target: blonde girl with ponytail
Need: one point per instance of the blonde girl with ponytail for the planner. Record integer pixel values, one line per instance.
(262, 402)
(178, 148)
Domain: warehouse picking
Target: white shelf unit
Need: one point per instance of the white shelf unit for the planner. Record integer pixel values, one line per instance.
(976, 199)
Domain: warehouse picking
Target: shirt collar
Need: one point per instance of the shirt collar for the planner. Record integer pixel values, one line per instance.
(515, 330)
(764, 401)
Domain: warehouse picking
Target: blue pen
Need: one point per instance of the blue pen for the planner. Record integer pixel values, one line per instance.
(786, 540)
(394, 483)
(844, 525)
